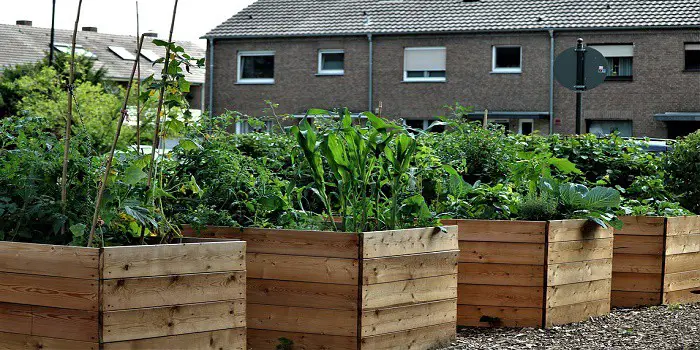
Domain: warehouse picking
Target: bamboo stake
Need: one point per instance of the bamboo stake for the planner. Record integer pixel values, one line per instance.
(156, 132)
(69, 123)
(486, 118)
(138, 84)
(108, 167)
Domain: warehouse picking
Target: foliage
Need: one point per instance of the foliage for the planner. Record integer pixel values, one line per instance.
(683, 168)
(370, 169)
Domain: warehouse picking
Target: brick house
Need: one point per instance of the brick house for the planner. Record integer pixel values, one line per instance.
(413, 57)
(24, 43)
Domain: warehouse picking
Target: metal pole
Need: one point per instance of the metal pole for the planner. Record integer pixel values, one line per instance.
(580, 82)
(370, 97)
(551, 82)
(53, 33)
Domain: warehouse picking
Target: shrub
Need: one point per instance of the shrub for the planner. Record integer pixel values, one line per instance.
(683, 171)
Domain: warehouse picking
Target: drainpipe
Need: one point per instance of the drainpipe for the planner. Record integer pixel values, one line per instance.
(371, 76)
(551, 81)
(211, 77)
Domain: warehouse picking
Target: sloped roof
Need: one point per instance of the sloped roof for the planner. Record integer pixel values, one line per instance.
(25, 44)
(270, 18)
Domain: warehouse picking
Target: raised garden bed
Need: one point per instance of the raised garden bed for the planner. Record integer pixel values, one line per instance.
(656, 261)
(330, 290)
(532, 273)
(136, 297)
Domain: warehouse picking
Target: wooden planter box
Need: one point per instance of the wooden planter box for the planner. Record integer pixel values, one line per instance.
(330, 290)
(136, 297)
(532, 274)
(656, 261)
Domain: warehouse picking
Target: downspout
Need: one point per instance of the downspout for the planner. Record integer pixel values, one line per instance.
(371, 75)
(551, 81)
(211, 77)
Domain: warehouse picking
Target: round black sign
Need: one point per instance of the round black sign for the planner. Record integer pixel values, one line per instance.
(594, 73)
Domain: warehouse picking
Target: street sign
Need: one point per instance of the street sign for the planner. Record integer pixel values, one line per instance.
(594, 72)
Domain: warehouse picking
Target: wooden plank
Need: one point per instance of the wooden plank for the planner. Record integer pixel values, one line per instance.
(399, 268)
(576, 272)
(409, 292)
(642, 226)
(683, 244)
(637, 282)
(576, 230)
(166, 321)
(485, 295)
(302, 320)
(10, 341)
(634, 299)
(500, 230)
(577, 312)
(682, 262)
(133, 293)
(501, 253)
(501, 274)
(49, 322)
(61, 292)
(294, 242)
(686, 296)
(49, 260)
(302, 294)
(269, 339)
(682, 281)
(578, 293)
(630, 244)
(498, 316)
(409, 241)
(425, 338)
(303, 268)
(585, 250)
(173, 259)
(683, 225)
(637, 263)
(226, 339)
(396, 319)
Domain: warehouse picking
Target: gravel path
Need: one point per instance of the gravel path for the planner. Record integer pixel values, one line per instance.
(663, 327)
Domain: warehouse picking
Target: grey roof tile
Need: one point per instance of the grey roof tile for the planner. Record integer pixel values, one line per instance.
(24, 44)
(266, 18)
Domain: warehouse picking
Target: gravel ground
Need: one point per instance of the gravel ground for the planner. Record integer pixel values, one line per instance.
(662, 327)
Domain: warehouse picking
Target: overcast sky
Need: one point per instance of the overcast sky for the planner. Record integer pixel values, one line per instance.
(194, 17)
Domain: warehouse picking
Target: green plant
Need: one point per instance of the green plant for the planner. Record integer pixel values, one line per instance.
(576, 201)
(539, 208)
(683, 171)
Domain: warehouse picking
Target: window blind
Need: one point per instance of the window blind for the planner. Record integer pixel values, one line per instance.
(425, 59)
(615, 50)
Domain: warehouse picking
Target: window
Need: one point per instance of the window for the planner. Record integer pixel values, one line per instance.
(504, 123)
(507, 59)
(256, 67)
(607, 127)
(527, 126)
(79, 50)
(425, 64)
(620, 59)
(122, 53)
(150, 55)
(331, 62)
(692, 57)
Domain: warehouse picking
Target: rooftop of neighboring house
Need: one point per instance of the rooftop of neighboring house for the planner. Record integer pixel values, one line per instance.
(274, 18)
(116, 53)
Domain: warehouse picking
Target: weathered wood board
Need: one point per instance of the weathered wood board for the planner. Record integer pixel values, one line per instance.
(329, 290)
(142, 297)
(532, 274)
(656, 261)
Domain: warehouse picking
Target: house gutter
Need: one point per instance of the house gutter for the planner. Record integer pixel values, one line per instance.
(551, 81)
(211, 76)
(371, 75)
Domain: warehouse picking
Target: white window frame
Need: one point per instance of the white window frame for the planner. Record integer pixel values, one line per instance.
(263, 81)
(322, 71)
(522, 121)
(497, 70)
(423, 79)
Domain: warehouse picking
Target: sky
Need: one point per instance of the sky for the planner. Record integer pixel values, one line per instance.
(194, 17)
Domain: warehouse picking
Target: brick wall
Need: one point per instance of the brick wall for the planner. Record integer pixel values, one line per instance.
(659, 85)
